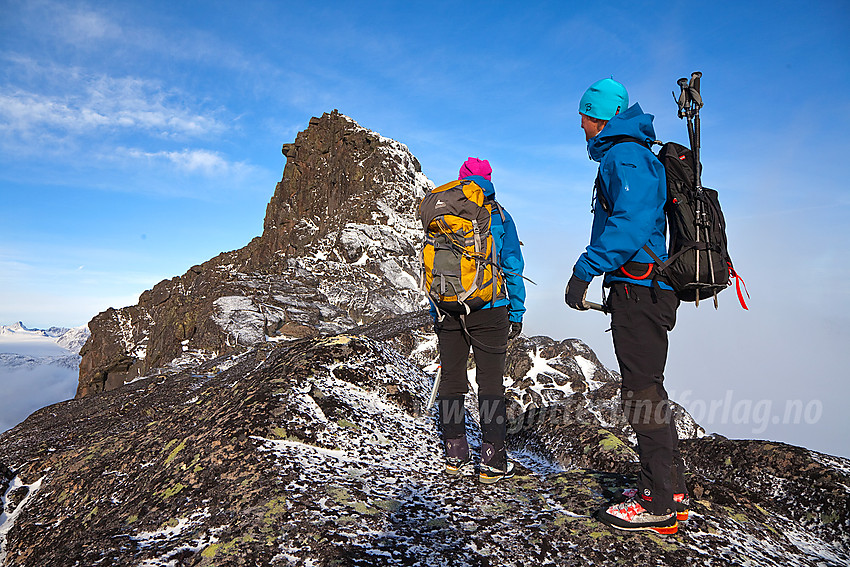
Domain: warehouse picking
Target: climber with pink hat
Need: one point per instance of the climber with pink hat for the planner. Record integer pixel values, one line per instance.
(487, 331)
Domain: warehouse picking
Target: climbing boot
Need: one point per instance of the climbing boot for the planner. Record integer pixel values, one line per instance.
(495, 465)
(630, 515)
(457, 456)
(681, 501)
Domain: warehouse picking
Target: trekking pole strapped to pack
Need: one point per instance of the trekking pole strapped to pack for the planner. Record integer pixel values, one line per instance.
(690, 102)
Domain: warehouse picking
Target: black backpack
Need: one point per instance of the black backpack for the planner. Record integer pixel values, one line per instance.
(698, 265)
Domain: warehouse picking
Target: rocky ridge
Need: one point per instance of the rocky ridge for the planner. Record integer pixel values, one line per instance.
(320, 451)
(293, 430)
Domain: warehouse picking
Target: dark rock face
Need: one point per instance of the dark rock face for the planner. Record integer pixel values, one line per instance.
(269, 408)
(339, 248)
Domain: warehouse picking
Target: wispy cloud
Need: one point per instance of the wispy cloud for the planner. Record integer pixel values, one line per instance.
(75, 24)
(80, 24)
(121, 34)
(97, 104)
(194, 161)
(88, 121)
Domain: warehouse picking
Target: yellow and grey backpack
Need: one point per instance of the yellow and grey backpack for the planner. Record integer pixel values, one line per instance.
(460, 270)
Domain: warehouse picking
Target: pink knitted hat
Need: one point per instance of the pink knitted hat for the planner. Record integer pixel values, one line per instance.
(475, 166)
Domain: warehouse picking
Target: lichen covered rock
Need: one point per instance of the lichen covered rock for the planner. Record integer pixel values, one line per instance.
(320, 451)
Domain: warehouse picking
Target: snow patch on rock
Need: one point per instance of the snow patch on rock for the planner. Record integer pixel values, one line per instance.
(10, 513)
(240, 319)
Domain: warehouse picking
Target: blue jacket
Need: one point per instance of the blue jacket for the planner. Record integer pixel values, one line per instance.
(506, 241)
(634, 186)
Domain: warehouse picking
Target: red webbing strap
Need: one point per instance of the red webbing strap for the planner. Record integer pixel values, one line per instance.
(738, 281)
(643, 277)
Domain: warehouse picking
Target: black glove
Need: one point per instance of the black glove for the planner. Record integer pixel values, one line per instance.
(575, 293)
(516, 329)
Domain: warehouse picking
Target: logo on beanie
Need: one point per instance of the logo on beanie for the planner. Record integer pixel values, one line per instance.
(587, 107)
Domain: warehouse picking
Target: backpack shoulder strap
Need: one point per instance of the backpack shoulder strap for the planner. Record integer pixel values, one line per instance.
(496, 207)
(644, 143)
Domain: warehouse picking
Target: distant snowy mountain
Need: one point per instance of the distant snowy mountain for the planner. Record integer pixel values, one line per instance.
(38, 367)
(73, 339)
(55, 341)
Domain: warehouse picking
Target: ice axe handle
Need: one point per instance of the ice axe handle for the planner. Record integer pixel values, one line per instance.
(433, 397)
(595, 306)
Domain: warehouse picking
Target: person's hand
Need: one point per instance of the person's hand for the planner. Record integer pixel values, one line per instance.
(516, 329)
(575, 293)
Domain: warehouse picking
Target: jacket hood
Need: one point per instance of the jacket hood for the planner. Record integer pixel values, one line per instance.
(486, 184)
(633, 123)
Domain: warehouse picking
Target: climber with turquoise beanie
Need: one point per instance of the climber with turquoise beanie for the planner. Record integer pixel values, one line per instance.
(630, 192)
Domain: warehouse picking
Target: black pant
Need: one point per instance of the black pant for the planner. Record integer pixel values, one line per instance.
(488, 337)
(641, 317)
(486, 331)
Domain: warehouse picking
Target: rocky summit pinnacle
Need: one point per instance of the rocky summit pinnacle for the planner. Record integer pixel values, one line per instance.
(338, 249)
(269, 408)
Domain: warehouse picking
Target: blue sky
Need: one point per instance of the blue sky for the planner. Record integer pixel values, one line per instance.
(140, 138)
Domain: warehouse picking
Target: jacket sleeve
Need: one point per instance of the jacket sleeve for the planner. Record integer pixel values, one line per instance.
(633, 188)
(512, 264)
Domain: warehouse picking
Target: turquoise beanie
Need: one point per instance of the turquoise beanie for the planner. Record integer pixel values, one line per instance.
(604, 99)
